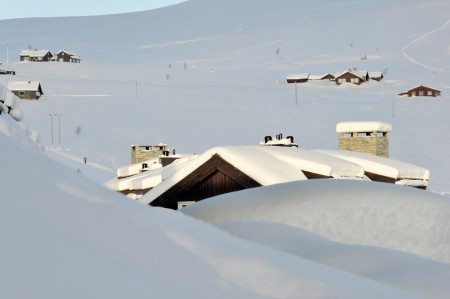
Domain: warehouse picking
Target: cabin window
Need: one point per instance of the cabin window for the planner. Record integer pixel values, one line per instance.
(420, 93)
(430, 93)
(21, 93)
(413, 93)
(341, 80)
(355, 80)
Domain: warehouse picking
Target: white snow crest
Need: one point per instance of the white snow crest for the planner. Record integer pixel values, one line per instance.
(348, 211)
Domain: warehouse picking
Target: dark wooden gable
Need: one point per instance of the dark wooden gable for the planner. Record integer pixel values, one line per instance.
(214, 177)
(348, 76)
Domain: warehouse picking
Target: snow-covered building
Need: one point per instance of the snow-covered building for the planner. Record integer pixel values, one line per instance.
(36, 55)
(297, 78)
(352, 76)
(421, 91)
(28, 90)
(6, 72)
(227, 169)
(66, 56)
(377, 76)
(380, 169)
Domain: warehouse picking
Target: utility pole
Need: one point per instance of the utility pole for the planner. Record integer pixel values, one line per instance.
(59, 128)
(393, 107)
(51, 126)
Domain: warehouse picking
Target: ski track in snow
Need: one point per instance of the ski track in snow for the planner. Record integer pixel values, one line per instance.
(445, 26)
(63, 153)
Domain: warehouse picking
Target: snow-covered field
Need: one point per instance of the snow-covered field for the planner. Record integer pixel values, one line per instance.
(207, 73)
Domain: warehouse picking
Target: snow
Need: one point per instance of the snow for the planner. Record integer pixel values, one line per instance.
(27, 85)
(128, 170)
(63, 236)
(363, 126)
(212, 77)
(297, 76)
(34, 53)
(267, 165)
(380, 165)
(347, 211)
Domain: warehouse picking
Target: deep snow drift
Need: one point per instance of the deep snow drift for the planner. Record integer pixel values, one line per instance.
(207, 73)
(64, 236)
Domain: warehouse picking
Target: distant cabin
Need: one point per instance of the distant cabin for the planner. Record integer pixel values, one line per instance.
(355, 77)
(328, 76)
(421, 91)
(36, 55)
(297, 78)
(66, 56)
(27, 90)
(377, 76)
(5, 72)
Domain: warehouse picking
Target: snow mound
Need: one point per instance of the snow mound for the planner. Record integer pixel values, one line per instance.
(355, 212)
(64, 236)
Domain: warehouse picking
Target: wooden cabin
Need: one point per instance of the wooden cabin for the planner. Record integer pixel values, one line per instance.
(355, 77)
(36, 55)
(66, 56)
(228, 169)
(27, 90)
(377, 76)
(328, 76)
(421, 91)
(297, 78)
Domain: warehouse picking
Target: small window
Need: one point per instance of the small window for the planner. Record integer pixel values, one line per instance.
(413, 93)
(21, 93)
(420, 93)
(430, 93)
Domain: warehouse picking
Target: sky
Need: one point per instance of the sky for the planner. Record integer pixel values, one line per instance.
(13, 9)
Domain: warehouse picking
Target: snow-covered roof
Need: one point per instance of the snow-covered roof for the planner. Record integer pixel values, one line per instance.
(34, 53)
(375, 74)
(24, 85)
(71, 54)
(133, 169)
(320, 77)
(382, 166)
(131, 179)
(267, 165)
(363, 126)
(360, 74)
(297, 76)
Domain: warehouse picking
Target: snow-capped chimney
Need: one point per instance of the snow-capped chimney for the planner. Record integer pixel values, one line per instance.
(366, 137)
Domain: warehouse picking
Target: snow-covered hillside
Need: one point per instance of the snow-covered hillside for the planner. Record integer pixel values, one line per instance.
(65, 237)
(209, 73)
